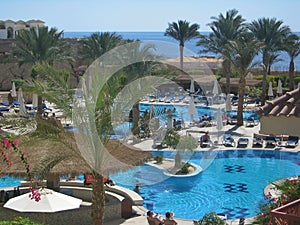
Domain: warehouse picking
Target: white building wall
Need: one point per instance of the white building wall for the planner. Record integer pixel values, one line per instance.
(3, 34)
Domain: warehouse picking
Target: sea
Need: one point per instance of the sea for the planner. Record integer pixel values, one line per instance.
(193, 49)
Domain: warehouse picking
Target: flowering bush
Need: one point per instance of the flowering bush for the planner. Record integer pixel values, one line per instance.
(290, 191)
(8, 144)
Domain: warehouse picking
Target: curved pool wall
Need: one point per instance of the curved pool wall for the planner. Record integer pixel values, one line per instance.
(233, 183)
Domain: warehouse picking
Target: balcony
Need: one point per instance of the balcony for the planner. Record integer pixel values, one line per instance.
(288, 214)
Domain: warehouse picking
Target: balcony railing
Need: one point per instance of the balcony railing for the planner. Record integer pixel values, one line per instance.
(288, 214)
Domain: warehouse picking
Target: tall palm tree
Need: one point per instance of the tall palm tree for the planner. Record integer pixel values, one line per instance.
(40, 45)
(182, 31)
(273, 59)
(99, 43)
(224, 29)
(271, 33)
(292, 47)
(241, 53)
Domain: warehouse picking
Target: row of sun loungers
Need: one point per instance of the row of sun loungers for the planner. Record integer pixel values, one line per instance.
(257, 141)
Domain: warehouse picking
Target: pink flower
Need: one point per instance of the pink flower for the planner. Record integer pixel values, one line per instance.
(7, 158)
(16, 142)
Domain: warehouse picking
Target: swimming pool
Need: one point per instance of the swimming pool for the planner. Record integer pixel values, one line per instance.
(233, 183)
(179, 112)
(7, 181)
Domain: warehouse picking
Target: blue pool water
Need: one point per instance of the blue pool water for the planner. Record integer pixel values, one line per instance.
(7, 181)
(233, 183)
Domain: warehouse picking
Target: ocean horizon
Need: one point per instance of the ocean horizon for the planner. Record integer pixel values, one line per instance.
(283, 64)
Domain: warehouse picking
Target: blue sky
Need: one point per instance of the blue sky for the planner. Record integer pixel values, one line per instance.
(143, 15)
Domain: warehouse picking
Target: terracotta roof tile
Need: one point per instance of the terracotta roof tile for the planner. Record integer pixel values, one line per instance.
(285, 105)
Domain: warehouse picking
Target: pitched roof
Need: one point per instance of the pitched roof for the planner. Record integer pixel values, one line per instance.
(285, 105)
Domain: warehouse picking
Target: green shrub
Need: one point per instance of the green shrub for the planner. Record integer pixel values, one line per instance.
(210, 218)
(159, 158)
(20, 221)
(184, 169)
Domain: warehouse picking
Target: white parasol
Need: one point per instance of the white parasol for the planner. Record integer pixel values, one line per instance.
(13, 90)
(50, 202)
(215, 88)
(228, 103)
(192, 108)
(270, 90)
(279, 87)
(22, 107)
(192, 86)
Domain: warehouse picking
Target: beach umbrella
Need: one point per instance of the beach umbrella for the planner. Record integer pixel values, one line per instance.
(13, 90)
(22, 108)
(219, 123)
(192, 109)
(215, 88)
(192, 86)
(228, 103)
(279, 87)
(50, 201)
(34, 100)
(270, 90)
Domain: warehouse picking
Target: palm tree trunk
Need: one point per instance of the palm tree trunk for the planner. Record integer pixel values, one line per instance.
(135, 119)
(181, 56)
(264, 80)
(242, 84)
(291, 75)
(226, 73)
(40, 106)
(98, 199)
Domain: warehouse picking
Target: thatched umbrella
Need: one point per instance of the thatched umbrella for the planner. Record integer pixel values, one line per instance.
(67, 158)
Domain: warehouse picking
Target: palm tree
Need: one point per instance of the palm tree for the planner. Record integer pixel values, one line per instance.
(40, 45)
(98, 44)
(53, 86)
(271, 33)
(241, 53)
(224, 29)
(292, 47)
(273, 59)
(182, 31)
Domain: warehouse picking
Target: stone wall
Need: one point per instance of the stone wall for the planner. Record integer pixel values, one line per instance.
(81, 216)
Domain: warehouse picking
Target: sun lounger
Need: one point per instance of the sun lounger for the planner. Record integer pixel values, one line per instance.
(232, 119)
(270, 140)
(227, 140)
(292, 141)
(4, 109)
(243, 141)
(4, 103)
(250, 121)
(257, 141)
(204, 142)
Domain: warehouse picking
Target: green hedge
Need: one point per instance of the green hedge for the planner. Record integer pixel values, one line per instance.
(20, 221)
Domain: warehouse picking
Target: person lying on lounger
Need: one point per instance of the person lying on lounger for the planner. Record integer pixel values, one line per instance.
(169, 219)
(153, 219)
